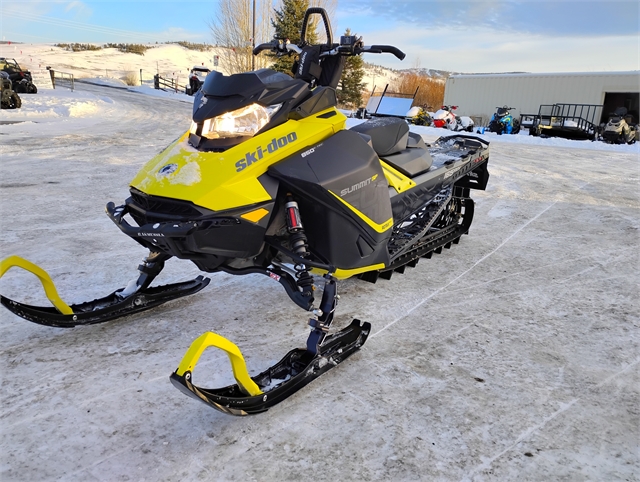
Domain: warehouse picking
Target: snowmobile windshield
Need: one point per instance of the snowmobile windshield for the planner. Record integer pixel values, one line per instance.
(502, 111)
(220, 85)
(220, 93)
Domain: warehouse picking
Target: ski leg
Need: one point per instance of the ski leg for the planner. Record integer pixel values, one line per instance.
(320, 326)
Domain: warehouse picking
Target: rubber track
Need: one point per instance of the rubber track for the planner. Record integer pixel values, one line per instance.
(432, 243)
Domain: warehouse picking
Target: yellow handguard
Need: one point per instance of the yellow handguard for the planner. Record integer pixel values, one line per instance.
(238, 365)
(45, 279)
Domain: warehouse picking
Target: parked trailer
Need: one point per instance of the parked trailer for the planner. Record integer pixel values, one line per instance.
(572, 121)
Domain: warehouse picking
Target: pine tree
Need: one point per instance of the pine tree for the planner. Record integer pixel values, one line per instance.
(288, 24)
(350, 87)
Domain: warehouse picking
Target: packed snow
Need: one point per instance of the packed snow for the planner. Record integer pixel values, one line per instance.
(512, 356)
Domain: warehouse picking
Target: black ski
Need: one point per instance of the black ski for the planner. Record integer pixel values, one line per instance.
(107, 308)
(298, 368)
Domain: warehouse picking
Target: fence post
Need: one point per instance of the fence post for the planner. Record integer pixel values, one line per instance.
(53, 77)
(140, 76)
(156, 82)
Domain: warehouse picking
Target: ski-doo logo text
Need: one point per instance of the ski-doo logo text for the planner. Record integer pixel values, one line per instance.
(259, 153)
(302, 59)
(360, 185)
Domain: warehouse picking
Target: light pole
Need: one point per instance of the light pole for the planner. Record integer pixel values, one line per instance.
(253, 38)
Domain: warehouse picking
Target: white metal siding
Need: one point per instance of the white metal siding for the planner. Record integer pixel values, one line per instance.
(479, 95)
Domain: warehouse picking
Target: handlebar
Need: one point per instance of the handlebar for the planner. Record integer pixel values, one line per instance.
(282, 47)
(389, 49)
(273, 45)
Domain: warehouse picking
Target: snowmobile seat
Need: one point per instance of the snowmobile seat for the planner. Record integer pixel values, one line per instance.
(414, 160)
(388, 134)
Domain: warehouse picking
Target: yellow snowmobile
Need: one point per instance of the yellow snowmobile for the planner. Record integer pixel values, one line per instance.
(269, 180)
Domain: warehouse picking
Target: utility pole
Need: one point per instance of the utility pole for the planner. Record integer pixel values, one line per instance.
(253, 38)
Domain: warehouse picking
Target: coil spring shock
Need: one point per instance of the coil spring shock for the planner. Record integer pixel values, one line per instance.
(299, 245)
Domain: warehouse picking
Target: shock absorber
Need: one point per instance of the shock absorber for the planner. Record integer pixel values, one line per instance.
(298, 242)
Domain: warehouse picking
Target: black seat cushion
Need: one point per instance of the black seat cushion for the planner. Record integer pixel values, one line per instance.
(388, 134)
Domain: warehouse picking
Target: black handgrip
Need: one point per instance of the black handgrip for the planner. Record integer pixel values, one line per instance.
(325, 19)
(259, 48)
(389, 49)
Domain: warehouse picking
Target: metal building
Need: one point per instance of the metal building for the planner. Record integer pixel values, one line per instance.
(478, 95)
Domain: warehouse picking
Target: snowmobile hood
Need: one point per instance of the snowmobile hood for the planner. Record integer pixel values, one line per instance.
(221, 93)
(224, 180)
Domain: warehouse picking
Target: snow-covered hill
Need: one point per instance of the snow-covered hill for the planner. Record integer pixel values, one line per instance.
(169, 60)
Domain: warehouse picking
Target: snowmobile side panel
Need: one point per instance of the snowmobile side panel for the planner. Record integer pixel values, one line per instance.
(346, 166)
(343, 197)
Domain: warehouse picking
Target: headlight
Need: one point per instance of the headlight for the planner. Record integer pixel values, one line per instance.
(246, 121)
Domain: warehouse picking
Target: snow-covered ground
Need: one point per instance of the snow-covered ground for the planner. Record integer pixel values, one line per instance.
(512, 356)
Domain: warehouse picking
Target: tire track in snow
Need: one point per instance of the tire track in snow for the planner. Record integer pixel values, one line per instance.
(563, 408)
(439, 290)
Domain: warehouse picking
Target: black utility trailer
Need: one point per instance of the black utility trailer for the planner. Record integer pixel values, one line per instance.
(571, 121)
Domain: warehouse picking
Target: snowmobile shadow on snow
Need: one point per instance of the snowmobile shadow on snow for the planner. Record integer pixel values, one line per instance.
(269, 181)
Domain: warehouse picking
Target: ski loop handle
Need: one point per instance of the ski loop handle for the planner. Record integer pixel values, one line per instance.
(47, 283)
(238, 364)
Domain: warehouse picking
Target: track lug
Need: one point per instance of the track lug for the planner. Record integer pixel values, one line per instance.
(438, 250)
(413, 263)
(400, 269)
(456, 241)
(428, 255)
(386, 275)
(370, 276)
(447, 246)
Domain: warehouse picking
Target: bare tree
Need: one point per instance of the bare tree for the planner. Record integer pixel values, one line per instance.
(232, 29)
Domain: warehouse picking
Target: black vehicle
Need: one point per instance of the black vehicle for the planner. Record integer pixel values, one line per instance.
(8, 98)
(197, 77)
(285, 190)
(20, 78)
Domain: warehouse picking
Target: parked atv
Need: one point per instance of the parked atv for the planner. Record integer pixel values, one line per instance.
(445, 117)
(502, 122)
(21, 79)
(620, 128)
(9, 98)
(196, 78)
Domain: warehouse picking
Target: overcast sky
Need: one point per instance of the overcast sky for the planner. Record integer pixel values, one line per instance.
(455, 35)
